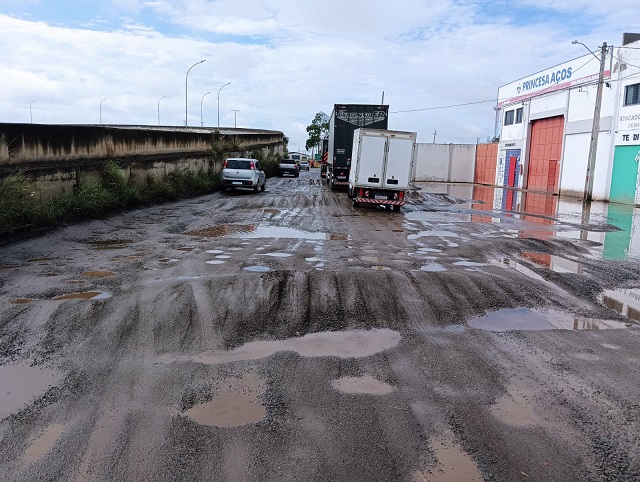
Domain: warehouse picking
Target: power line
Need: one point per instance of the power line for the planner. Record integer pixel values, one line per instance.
(443, 106)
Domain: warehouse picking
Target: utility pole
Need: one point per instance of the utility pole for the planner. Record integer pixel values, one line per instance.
(434, 136)
(235, 113)
(595, 130)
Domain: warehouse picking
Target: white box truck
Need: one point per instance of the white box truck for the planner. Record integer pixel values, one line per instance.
(382, 166)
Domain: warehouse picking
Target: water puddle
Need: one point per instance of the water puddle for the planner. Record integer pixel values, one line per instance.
(21, 301)
(235, 249)
(168, 260)
(454, 464)
(552, 262)
(98, 274)
(277, 255)
(186, 249)
(9, 266)
(625, 301)
(468, 264)
(433, 267)
(133, 258)
(272, 211)
(221, 230)
(361, 385)
(236, 404)
(21, 383)
(44, 442)
(110, 244)
(87, 295)
(535, 320)
(216, 261)
(513, 408)
(313, 260)
(341, 344)
(257, 269)
(223, 256)
(39, 260)
(51, 273)
(380, 268)
(215, 251)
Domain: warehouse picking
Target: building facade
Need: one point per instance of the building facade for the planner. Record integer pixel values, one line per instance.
(546, 121)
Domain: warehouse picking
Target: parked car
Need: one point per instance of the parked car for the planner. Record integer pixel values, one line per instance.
(304, 165)
(288, 166)
(243, 172)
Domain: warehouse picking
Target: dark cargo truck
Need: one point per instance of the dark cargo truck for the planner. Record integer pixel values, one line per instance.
(345, 119)
(325, 157)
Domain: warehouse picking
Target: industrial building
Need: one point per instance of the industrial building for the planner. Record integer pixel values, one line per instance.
(546, 124)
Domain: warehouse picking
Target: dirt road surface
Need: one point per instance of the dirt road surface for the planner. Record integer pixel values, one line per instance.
(286, 335)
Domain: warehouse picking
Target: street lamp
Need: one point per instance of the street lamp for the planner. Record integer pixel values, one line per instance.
(164, 96)
(235, 113)
(101, 109)
(595, 128)
(201, 121)
(219, 103)
(186, 91)
(30, 113)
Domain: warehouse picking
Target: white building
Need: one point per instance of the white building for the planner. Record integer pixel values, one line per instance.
(547, 120)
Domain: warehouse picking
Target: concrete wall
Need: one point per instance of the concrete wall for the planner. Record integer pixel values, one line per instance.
(445, 162)
(60, 158)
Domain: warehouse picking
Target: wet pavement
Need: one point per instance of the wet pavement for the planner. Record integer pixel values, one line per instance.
(478, 334)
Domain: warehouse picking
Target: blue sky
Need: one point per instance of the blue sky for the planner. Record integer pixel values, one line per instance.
(286, 59)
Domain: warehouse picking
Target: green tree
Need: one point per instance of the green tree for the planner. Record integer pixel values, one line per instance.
(318, 130)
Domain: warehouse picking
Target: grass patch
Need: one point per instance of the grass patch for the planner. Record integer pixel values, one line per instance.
(21, 207)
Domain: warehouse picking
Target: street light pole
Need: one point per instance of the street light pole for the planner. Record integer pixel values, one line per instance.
(219, 103)
(30, 112)
(201, 121)
(159, 107)
(235, 113)
(101, 109)
(186, 94)
(595, 129)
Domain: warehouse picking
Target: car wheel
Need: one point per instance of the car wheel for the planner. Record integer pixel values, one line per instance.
(255, 189)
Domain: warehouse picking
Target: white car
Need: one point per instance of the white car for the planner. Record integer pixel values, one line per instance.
(304, 165)
(243, 172)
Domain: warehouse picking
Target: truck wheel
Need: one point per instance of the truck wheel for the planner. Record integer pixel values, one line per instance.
(356, 204)
(396, 208)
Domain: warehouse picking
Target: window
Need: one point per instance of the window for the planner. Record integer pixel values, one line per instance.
(519, 115)
(632, 94)
(508, 118)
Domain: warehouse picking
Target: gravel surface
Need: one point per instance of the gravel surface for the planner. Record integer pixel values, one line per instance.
(287, 335)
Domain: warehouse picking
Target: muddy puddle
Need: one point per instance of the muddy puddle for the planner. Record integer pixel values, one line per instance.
(39, 260)
(20, 384)
(98, 274)
(433, 267)
(257, 269)
(341, 344)
(107, 244)
(514, 407)
(624, 301)
(252, 231)
(87, 295)
(453, 464)
(380, 268)
(366, 385)
(236, 403)
(526, 319)
(21, 301)
(44, 443)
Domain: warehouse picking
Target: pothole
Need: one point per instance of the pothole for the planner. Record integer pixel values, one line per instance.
(362, 385)
(236, 404)
(44, 443)
(87, 295)
(21, 383)
(526, 319)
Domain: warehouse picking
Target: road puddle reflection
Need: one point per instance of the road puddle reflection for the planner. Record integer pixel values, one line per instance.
(237, 403)
(99, 274)
(257, 269)
(366, 385)
(216, 261)
(433, 267)
(87, 295)
(253, 231)
(535, 320)
(21, 383)
(341, 344)
(625, 301)
(44, 443)
(110, 244)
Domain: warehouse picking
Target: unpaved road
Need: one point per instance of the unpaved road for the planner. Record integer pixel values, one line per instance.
(285, 335)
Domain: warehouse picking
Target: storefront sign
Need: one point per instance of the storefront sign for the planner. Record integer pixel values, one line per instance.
(575, 72)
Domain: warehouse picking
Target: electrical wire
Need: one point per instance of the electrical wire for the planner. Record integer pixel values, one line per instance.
(443, 106)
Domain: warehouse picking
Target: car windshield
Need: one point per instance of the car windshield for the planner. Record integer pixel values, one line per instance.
(238, 164)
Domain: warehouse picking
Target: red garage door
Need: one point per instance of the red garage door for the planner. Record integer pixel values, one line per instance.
(544, 154)
(486, 160)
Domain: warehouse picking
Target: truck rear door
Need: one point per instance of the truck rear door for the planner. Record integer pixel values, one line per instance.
(399, 161)
(370, 169)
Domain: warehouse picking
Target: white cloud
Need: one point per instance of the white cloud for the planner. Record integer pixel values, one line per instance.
(286, 60)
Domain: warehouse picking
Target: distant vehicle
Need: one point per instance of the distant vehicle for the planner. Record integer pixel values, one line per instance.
(243, 172)
(345, 119)
(288, 166)
(325, 155)
(304, 165)
(381, 168)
